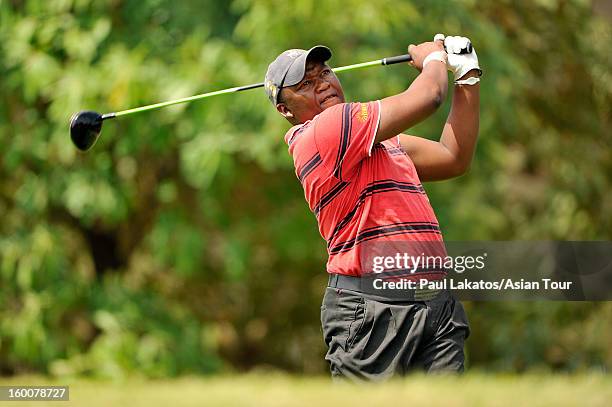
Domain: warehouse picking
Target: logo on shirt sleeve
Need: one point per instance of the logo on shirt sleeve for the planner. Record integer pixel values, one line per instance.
(363, 113)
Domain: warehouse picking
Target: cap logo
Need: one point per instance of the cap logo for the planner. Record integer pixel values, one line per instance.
(272, 88)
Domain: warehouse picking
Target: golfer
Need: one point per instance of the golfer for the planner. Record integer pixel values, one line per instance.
(362, 180)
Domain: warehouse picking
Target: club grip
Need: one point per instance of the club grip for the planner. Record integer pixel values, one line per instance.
(406, 57)
(396, 59)
(466, 50)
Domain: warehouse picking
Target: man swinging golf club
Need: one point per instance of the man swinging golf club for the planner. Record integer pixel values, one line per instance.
(362, 179)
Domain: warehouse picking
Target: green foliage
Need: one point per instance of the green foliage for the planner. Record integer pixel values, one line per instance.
(182, 243)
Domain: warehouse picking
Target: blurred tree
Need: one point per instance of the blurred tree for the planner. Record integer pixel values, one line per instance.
(182, 243)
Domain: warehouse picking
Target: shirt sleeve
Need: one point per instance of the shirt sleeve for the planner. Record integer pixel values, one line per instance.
(344, 135)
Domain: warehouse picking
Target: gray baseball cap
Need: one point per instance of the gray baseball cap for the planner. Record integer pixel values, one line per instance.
(289, 67)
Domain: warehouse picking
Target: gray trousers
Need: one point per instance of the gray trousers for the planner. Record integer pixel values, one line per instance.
(370, 339)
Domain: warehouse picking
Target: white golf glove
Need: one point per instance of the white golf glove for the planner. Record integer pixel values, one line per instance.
(460, 64)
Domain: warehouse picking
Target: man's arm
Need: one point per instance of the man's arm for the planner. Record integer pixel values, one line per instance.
(421, 99)
(452, 155)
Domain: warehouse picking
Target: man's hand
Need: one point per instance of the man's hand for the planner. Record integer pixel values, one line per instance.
(419, 53)
(459, 64)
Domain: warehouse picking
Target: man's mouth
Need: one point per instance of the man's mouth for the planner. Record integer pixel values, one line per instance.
(327, 98)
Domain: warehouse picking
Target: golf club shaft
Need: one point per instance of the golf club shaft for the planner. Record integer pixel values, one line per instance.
(385, 61)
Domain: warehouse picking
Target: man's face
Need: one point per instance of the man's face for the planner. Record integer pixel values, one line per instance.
(318, 90)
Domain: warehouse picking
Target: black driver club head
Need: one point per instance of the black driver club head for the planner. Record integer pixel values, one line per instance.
(85, 129)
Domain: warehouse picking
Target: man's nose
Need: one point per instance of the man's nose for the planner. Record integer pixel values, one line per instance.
(322, 85)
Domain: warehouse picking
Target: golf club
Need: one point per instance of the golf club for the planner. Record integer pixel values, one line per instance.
(85, 126)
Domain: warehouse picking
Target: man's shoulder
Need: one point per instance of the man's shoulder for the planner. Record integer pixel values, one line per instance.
(290, 134)
(331, 118)
(333, 114)
(297, 130)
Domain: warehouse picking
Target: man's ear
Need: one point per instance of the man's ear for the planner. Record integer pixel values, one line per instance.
(284, 111)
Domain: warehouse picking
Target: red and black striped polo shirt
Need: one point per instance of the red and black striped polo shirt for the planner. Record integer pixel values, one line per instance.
(361, 194)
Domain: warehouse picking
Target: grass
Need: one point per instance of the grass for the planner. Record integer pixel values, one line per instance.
(273, 390)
